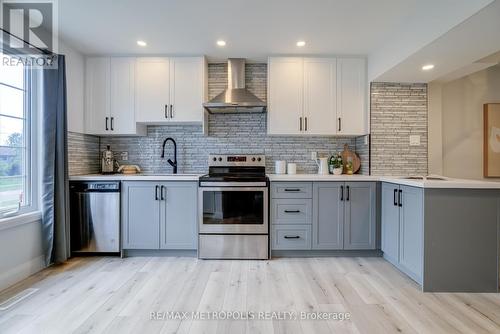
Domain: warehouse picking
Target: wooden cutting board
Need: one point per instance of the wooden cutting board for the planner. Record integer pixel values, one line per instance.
(356, 161)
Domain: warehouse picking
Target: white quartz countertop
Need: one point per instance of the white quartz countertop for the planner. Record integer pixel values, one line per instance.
(136, 177)
(318, 177)
(447, 183)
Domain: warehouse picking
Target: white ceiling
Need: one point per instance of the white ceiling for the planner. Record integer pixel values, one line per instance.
(259, 28)
(469, 47)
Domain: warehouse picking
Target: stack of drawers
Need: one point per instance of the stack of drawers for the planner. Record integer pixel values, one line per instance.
(291, 215)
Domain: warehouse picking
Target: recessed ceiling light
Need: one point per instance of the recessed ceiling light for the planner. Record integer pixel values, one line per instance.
(142, 43)
(427, 67)
(301, 43)
(220, 42)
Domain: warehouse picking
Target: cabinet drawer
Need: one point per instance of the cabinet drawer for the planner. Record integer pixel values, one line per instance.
(291, 211)
(291, 190)
(291, 237)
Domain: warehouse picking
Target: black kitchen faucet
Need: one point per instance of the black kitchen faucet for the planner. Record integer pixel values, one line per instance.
(172, 163)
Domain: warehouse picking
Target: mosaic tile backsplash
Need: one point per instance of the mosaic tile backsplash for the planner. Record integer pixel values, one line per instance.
(83, 154)
(227, 134)
(398, 110)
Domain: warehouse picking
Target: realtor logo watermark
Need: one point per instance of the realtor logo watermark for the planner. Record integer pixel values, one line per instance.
(29, 32)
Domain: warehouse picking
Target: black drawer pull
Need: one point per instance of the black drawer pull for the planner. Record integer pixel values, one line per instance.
(292, 237)
(287, 189)
(395, 197)
(400, 198)
(348, 193)
(341, 193)
(292, 211)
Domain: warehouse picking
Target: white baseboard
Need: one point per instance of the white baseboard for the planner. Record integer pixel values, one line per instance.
(21, 272)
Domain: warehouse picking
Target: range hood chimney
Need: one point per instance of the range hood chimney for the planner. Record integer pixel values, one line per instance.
(236, 99)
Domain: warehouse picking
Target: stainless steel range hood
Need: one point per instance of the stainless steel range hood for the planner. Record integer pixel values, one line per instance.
(236, 99)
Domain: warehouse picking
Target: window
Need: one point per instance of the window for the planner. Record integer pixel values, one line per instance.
(15, 138)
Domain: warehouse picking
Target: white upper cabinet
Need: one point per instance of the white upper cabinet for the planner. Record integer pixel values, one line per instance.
(97, 95)
(152, 89)
(285, 95)
(109, 106)
(320, 85)
(187, 89)
(122, 96)
(317, 96)
(352, 115)
(170, 89)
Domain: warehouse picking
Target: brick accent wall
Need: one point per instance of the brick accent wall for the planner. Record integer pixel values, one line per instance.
(398, 110)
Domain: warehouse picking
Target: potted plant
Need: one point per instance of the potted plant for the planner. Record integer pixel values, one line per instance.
(336, 164)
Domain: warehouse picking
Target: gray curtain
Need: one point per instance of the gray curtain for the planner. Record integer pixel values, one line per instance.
(54, 185)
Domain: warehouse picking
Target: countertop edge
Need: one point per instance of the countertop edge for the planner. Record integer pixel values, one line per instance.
(450, 183)
(139, 177)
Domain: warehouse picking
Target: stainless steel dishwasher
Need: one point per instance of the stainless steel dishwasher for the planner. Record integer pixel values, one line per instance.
(94, 217)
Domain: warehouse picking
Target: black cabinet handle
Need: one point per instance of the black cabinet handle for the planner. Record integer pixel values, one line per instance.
(300, 123)
(292, 211)
(395, 197)
(340, 124)
(287, 189)
(305, 121)
(112, 127)
(348, 193)
(161, 193)
(166, 111)
(107, 118)
(291, 237)
(400, 198)
(156, 192)
(341, 193)
(171, 111)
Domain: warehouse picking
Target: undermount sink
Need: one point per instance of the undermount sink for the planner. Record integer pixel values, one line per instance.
(426, 178)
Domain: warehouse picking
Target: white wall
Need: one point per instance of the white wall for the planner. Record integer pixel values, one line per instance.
(462, 121)
(435, 126)
(21, 252)
(75, 74)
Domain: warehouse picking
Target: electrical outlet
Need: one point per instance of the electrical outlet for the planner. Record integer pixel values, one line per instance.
(124, 156)
(414, 140)
(314, 155)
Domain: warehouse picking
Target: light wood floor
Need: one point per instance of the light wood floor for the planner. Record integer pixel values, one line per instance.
(112, 295)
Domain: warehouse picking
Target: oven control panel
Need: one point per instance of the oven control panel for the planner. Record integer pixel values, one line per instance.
(236, 160)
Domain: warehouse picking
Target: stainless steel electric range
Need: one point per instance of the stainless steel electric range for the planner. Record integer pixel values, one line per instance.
(234, 208)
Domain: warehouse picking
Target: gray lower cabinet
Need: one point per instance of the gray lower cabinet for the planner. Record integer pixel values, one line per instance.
(291, 211)
(159, 215)
(291, 237)
(390, 222)
(411, 232)
(179, 208)
(360, 215)
(343, 215)
(403, 228)
(140, 216)
(291, 215)
(328, 215)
